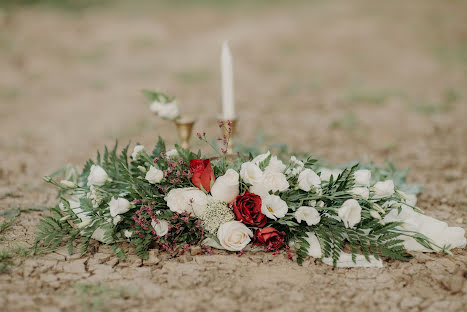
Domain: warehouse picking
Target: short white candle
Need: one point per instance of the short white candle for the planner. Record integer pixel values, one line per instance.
(228, 104)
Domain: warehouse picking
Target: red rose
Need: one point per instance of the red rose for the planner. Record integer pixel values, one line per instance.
(269, 237)
(247, 209)
(203, 175)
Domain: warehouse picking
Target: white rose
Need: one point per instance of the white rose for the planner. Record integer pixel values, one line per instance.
(154, 175)
(350, 212)
(155, 107)
(270, 181)
(138, 149)
(273, 207)
(197, 199)
(226, 187)
(275, 165)
(177, 202)
(97, 176)
(308, 179)
(308, 214)
(261, 158)
(361, 192)
(169, 111)
(118, 206)
(190, 200)
(327, 173)
(250, 173)
(383, 189)
(234, 235)
(161, 227)
(362, 177)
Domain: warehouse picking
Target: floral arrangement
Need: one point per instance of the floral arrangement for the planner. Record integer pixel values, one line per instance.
(177, 200)
(162, 105)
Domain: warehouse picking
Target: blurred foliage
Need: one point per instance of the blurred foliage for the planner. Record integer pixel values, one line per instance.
(64, 4)
(83, 4)
(369, 96)
(349, 121)
(429, 107)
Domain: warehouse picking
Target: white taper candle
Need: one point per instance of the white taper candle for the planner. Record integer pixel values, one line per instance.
(228, 104)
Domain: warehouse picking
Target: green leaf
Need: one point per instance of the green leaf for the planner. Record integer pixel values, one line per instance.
(262, 165)
(10, 213)
(157, 96)
(159, 148)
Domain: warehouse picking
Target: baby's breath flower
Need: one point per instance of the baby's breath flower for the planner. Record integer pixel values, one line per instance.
(215, 214)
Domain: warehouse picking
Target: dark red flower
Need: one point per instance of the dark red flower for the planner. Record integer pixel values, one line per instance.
(247, 209)
(202, 173)
(269, 237)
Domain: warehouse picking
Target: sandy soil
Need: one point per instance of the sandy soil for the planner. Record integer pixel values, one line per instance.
(343, 80)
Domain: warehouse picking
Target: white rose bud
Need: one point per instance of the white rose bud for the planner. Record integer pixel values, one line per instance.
(65, 218)
(169, 111)
(138, 149)
(118, 206)
(234, 235)
(350, 212)
(161, 227)
(375, 214)
(226, 187)
(308, 179)
(154, 175)
(410, 199)
(127, 233)
(84, 224)
(273, 207)
(296, 162)
(68, 184)
(361, 192)
(250, 173)
(117, 219)
(362, 177)
(308, 214)
(383, 189)
(97, 176)
(377, 207)
(270, 181)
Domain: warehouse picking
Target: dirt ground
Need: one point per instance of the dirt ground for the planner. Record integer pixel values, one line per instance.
(364, 79)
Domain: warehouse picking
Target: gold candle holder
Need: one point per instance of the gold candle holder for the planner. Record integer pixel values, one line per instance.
(228, 127)
(184, 129)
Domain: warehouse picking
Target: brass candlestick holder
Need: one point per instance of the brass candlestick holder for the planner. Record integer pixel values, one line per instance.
(228, 127)
(184, 128)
